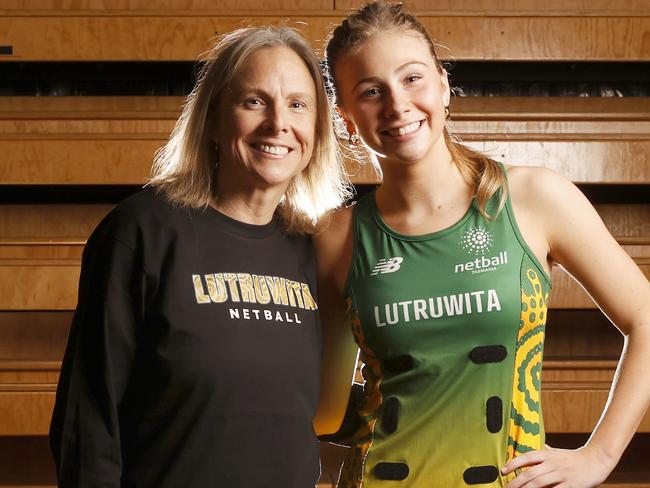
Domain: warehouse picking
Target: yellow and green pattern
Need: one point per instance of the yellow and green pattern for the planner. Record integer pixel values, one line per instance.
(525, 426)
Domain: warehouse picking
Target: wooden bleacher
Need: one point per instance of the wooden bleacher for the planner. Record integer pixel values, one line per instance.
(110, 141)
(41, 245)
(125, 30)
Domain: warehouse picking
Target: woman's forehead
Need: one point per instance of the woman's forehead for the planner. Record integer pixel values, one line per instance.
(384, 53)
(273, 65)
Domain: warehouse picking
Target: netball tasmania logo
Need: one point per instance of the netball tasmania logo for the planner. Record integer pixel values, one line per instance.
(476, 241)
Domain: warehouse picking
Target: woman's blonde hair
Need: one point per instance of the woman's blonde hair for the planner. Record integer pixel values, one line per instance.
(185, 169)
(379, 16)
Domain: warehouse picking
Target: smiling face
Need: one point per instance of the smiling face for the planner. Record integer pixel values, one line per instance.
(391, 90)
(266, 120)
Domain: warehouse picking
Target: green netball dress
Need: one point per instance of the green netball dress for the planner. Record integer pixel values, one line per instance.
(451, 331)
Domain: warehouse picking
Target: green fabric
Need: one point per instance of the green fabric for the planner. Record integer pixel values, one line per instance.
(436, 297)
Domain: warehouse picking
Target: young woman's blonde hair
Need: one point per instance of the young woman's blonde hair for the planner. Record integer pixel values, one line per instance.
(382, 16)
(185, 169)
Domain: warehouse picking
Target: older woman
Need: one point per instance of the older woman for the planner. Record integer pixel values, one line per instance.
(193, 358)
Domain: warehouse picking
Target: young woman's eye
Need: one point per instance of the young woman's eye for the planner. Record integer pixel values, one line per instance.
(413, 78)
(371, 92)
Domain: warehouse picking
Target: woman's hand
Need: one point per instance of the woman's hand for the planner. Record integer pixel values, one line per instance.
(560, 468)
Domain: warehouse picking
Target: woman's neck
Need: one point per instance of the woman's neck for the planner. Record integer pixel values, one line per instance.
(424, 196)
(432, 181)
(251, 206)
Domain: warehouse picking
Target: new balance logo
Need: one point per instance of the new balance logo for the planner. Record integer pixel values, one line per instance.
(389, 265)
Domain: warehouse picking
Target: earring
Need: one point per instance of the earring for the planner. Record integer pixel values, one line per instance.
(447, 114)
(354, 139)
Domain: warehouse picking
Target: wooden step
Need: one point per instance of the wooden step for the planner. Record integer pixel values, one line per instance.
(574, 393)
(184, 36)
(43, 143)
(44, 276)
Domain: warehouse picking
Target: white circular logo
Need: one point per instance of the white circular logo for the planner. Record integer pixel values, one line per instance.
(476, 240)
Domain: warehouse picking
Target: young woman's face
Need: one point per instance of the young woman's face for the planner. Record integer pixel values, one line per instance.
(391, 90)
(266, 121)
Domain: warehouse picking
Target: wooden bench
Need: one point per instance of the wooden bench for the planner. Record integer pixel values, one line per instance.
(44, 276)
(133, 30)
(54, 142)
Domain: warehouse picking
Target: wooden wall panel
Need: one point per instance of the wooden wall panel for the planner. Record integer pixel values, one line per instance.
(626, 220)
(128, 161)
(23, 375)
(61, 162)
(440, 7)
(549, 108)
(557, 373)
(463, 108)
(25, 413)
(501, 7)
(581, 162)
(565, 130)
(150, 38)
(33, 336)
(588, 140)
(567, 294)
(38, 129)
(158, 38)
(98, 107)
(38, 252)
(46, 222)
(113, 141)
(540, 38)
(585, 334)
(25, 462)
(572, 410)
(32, 286)
(566, 38)
(171, 6)
(31, 128)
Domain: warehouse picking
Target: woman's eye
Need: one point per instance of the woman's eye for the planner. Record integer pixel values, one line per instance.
(371, 92)
(413, 78)
(253, 102)
(298, 105)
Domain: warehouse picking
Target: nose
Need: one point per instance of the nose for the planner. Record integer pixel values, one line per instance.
(276, 120)
(396, 103)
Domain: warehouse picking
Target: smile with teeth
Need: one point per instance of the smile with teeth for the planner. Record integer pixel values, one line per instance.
(407, 129)
(279, 150)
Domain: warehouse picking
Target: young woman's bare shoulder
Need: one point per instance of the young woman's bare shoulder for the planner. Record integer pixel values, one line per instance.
(537, 187)
(334, 226)
(522, 177)
(333, 240)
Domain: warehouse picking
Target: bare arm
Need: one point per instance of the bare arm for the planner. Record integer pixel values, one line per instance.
(334, 256)
(578, 240)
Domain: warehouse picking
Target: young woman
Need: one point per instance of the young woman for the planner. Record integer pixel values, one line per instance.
(445, 272)
(194, 354)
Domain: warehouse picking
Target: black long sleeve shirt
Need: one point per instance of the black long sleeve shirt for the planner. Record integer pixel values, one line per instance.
(193, 357)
